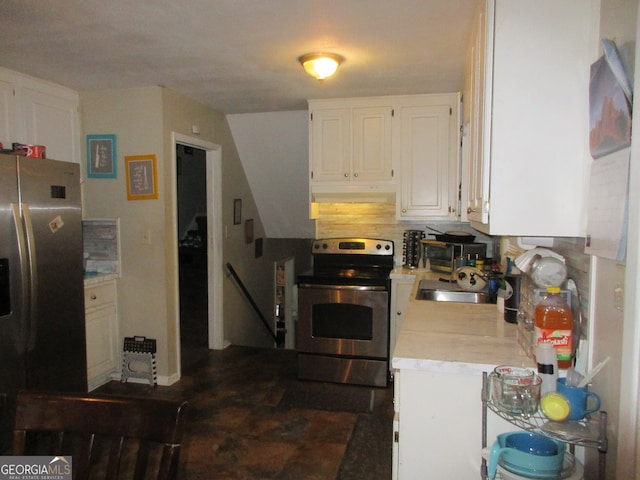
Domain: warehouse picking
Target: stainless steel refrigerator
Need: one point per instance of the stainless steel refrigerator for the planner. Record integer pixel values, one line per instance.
(42, 326)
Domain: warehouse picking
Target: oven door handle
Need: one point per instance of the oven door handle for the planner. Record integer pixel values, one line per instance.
(369, 288)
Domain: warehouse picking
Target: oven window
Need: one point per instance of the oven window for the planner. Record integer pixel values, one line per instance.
(342, 320)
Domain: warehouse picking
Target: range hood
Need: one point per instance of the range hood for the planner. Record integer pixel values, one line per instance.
(353, 193)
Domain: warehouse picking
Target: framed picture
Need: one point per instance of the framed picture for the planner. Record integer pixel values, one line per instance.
(142, 179)
(237, 211)
(102, 161)
(248, 231)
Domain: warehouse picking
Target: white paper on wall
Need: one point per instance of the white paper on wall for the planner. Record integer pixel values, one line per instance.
(607, 206)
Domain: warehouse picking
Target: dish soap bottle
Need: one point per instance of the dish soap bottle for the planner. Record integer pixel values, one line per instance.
(547, 361)
(553, 322)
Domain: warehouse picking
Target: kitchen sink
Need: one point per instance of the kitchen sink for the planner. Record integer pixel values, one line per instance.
(430, 290)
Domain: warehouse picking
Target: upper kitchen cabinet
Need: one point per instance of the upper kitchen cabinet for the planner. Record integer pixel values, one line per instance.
(527, 137)
(399, 149)
(37, 112)
(426, 131)
(350, 148)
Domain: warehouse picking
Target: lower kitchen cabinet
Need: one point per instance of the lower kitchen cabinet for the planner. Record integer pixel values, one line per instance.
(401, 287)
(438, 424)
(101, 316)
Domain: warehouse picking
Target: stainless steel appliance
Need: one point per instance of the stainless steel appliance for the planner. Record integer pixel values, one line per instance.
(342, 333)
(442, 255)
(42, 329)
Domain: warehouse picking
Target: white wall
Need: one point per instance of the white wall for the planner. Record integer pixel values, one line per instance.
(274, 151)
(615, 331)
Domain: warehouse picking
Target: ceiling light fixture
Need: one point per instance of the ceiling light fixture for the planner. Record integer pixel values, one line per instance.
(320, 65)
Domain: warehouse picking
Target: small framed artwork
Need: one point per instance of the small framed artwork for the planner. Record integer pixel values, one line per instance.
(142, 178)
(102, 161)
(248, 231)
(237, 211)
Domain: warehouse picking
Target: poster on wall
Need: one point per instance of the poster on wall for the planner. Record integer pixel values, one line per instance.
(142, 179)
(610, 102)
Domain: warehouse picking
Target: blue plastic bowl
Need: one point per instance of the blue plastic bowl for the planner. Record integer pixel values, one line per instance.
(518, 458)
(531, 443)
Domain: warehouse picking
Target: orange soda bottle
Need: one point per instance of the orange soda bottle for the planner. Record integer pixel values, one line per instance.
(553, 323)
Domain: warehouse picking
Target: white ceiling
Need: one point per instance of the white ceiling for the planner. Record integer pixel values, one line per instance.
(240, 56)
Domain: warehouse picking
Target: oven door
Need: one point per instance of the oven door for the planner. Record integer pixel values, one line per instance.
(343, 320)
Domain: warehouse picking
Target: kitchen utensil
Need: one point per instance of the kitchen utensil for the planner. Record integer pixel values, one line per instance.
(515, 390)
(592, 373)
(555, 406)
(525, 261)
(512, 300)
(470, 278)
(452, 236)
(548, 272)
(572, 469)
(523, 462)
(531, 443)
(574, 377)
(578, 398)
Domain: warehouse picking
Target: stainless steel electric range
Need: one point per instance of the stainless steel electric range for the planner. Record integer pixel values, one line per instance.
(342, 333)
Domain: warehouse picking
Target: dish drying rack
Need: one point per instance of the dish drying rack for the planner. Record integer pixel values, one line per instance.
(589, 432)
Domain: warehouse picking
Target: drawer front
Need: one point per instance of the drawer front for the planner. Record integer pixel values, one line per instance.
(99, 295)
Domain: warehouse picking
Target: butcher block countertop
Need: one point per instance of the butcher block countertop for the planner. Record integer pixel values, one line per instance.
(454, 337)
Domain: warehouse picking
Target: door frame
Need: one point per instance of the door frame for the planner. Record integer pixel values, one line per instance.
(214, 238)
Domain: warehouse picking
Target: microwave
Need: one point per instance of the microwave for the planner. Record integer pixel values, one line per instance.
(442, 255)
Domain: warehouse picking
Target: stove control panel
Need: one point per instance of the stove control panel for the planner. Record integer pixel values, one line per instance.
(352, 246)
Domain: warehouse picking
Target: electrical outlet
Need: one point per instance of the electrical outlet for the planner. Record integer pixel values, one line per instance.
(618, 297)
(146, 236)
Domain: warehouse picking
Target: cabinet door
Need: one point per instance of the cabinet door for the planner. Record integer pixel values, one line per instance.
(533, 125)
(427, 151)
(51, 118)
(400, 293)
(102, 345)
(8, 116)
(371, 128)
(479, 90)
(330, 145)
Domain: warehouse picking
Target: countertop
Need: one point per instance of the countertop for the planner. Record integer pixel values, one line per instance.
(453, 337)
(99, 278)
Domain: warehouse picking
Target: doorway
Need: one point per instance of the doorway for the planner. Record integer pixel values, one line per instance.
(202, 218)
(191, 187)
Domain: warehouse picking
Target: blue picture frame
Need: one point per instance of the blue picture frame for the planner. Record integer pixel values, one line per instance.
(102, 159)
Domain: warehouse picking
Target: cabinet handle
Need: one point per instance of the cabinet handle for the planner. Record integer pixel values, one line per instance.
(346, 175)
(93, 297)
(471, 210)
(404, 210)
(355, 175)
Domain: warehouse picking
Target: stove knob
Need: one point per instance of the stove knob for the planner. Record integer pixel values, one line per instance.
(378, 246)
(325, 246)
(387, 247)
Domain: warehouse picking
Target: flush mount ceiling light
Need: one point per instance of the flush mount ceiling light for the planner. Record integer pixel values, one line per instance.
(320, 65)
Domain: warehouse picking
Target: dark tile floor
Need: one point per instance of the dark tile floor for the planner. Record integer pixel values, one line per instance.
(251, 418)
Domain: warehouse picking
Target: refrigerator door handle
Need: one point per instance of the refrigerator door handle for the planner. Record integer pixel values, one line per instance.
(33, 275)
(24, 264)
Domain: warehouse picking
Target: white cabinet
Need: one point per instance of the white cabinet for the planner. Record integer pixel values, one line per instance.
(426, 132)
(37, 112)
(101, 316)
(401, 287)
(402, 149)
(438, 424)
(350, 141)
(528, 158)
